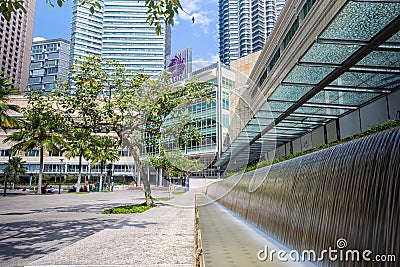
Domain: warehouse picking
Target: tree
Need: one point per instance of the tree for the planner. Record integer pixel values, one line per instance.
(6, 88)
(78, 145)
(146, 106)
(40, 130)
(103, 149)
(14, 168)
(82, 108)
(159, 11)
(174, 163)
(109, 100)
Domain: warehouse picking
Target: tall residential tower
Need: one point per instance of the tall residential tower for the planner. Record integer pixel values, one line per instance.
(49, 62)
(245, 25)
(119, 31)
(15, 44)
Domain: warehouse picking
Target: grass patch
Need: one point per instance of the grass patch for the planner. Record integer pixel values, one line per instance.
(127, 209)
(179, 193)
(162, 199)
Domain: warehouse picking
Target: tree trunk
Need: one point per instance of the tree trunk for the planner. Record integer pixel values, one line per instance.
(78, 183)
(41, 166)
(101, 177)
(15, 178)
(143, 176)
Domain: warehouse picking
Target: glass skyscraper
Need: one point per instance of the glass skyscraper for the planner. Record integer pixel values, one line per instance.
(119, 31)
(245, 25)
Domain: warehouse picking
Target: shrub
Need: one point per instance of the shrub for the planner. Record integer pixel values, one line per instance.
(127, 209)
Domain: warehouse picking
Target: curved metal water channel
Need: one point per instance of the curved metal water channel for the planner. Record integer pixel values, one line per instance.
(349, 191)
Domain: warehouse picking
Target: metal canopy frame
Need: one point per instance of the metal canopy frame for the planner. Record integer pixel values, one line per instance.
(294, 118)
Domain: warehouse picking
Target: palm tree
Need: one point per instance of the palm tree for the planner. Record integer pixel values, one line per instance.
(6, 121)
(15, 167)
(39, 130)
(103, 149)
(79, 141)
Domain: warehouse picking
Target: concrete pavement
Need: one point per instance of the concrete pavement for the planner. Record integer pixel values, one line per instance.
(69, 229)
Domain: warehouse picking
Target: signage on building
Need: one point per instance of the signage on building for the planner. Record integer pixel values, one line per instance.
(179, 65)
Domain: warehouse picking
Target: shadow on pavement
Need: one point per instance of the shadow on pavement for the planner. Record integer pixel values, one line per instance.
(22, 240)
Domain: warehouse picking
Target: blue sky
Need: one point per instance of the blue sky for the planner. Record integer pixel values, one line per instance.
(202, 35)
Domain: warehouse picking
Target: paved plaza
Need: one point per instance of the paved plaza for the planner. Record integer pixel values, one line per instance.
(69, 229)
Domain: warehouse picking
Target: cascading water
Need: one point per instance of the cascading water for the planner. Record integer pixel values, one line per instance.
(349, 191)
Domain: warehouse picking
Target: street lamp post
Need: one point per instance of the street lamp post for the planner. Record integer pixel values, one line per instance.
(61, 165)
(30, 181)
(6, 174)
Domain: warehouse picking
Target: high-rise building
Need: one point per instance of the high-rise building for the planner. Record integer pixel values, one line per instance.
(228, 30)
(49, 62)
(119, 31)
(86, 31)
(15, 44)
(245, 25)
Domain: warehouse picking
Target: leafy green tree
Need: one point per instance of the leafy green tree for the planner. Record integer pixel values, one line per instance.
(174, 163)
(103, 149)
(15, 167)
(159, 11)
(6, 88)
(78, 144)
(40, 130)
(109, 100)
(82, 108)
(146, 107)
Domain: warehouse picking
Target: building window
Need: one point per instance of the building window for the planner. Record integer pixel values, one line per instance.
(125, 153)
(32, 153)
(32, 168)
(74, 168)
(55, 154)
(53, 168)
(5, 152)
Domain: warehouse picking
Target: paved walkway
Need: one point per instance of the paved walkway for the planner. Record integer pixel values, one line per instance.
(69, 229)
(228, 240)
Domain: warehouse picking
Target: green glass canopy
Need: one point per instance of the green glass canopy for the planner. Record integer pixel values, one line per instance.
(355, 60)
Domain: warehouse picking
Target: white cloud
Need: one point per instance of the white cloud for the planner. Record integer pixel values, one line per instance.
(202, 63)
(214, 58)
(38, 39)
(197, 9)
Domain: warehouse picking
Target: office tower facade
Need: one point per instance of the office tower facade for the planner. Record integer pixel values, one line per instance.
(49, 62)
(244, 26)
(15, 44)
(86, 31)
(119, 31)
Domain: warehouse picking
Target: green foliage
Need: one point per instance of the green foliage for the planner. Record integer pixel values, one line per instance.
(175, 163)
(14, 168)
(162, 11)
(158, 13)
(104, 148)
(6, 89)
(178, 193)
(127, 209)
(162, 199)
(374, 129)
(7, 8)
(40, 129)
